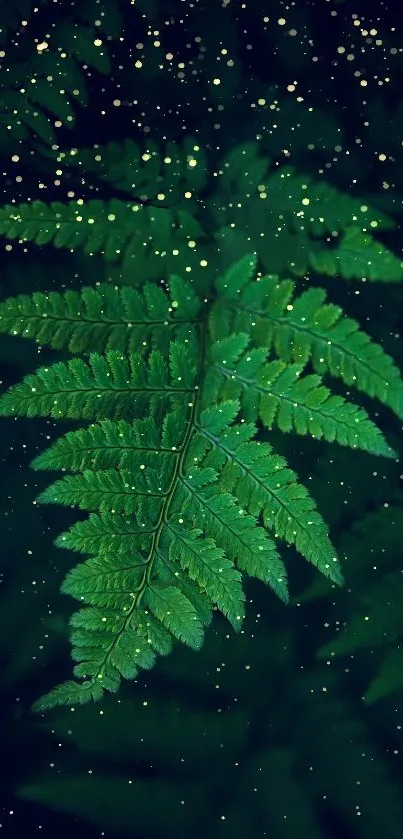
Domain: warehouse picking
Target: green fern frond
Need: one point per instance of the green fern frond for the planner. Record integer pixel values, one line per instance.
(102, 490)
(110, 386)
(170, 572)
(265, 486)
(77, 41)
(109, 23)
(145, 239)
(317, 206)
(277, 394)
(95, 225)
(69, 693)
(102, 318)
(93, 619)
(104, 445)
(176, 613)
(306, 328)
(183, 501)
(207, 564)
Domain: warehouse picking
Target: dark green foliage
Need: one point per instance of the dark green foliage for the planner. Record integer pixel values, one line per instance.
(153, 174)
(283, 216)
(372, 624)
(182, 497)
(44, 80)
(225, 738)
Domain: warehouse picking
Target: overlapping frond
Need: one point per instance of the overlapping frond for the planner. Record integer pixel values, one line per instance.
(264, 485)
(371, 624)
(287, 216)
(141, 171)
(30, 105)
(95, 225)
(143, 238)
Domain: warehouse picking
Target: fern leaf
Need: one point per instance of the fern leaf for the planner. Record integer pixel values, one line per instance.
(106, 534)
(95, 225)
(214, 573)
(263, 484)
(13, 11)
(115, 229)
(107, 656)
(176, 613)
(78, 41)
(200, 500)
(167, 570)
(105, 445)
(103, 318)
(104, 490)
(111, 21)
(106, 580)
(111, 386)
(29, 102)
(72, 77)
(307, 328)
(288, 216)
(123, 637)
(96, 619)
(277, 394)
(69, 693)
(49, 97)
